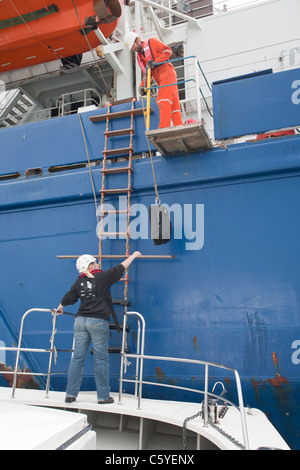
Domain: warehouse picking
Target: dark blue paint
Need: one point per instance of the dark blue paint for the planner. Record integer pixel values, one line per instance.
(28, 146)
(235, 301)
(256, 104)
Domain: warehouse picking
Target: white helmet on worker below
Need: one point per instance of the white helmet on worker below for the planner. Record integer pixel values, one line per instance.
(129, 39)
(83, 263)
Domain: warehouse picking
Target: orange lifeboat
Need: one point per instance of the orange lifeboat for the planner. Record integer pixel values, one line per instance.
(37, 31)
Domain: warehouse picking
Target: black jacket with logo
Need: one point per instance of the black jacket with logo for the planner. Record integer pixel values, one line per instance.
(94, 293)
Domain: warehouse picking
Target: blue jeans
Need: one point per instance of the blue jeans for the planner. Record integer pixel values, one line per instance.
(86, 330)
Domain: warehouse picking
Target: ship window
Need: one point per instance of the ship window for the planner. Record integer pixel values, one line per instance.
(33, 172)
(75, 166)
(10, 176)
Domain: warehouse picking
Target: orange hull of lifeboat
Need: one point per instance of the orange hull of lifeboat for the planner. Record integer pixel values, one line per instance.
(37, 31)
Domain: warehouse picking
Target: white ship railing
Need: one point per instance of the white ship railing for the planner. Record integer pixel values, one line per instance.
(191, 81)
(140, 358)
(165, 14)
(67, 104)
(51, 351)
(222, 6)
(139, 382)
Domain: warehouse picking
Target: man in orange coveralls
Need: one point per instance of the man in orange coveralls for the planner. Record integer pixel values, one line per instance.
(152, 52)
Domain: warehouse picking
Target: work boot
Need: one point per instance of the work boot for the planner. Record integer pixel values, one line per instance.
(108, 400)
(69, 399)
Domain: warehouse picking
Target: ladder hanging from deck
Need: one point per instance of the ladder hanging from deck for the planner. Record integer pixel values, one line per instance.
(126, 153)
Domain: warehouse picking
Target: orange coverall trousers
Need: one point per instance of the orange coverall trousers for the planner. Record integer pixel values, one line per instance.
(169, 106)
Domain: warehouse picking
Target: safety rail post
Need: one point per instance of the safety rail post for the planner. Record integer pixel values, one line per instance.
(197, 84)
(242, 409)
(54, 314)
(122, 358)
(139, 357)
(206, 396)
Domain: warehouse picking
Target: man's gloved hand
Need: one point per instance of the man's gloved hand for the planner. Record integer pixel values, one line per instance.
(142, 91)
(150, 64)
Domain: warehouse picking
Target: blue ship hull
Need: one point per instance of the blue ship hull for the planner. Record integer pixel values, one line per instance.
(231, 294)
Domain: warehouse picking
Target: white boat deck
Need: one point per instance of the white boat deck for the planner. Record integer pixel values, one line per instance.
(158, 425)
(35, 428)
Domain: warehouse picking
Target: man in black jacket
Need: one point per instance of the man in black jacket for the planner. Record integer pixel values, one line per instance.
(91, 323)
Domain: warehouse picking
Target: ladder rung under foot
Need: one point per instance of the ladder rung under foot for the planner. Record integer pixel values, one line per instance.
(120, 151)
(123, 169)
(111, 349)
(123, 302)
(115, 191)
(116, 133)
(112, 326)
(117, 349)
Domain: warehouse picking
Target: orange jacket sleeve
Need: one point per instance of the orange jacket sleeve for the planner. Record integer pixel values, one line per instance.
(160, 51)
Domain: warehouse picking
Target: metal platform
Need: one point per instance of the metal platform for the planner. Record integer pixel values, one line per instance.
(186, 138)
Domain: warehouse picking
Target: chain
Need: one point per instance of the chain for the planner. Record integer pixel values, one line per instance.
(184, 427)
(213, 425)
(225, 434)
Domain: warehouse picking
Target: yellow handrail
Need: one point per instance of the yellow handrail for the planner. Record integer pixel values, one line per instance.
(148, 90)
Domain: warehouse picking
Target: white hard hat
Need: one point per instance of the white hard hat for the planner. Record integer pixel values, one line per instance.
(83, 263)
(129, 39)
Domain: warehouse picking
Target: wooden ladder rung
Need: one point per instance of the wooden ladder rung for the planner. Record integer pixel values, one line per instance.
(123, 169)
(115, 191)
(119, 114)
(151, 257)
(124, 211)
(116, 349)
(116, 133)
(112, 234)
(123, 302)
(118, 151)
(112, 326)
